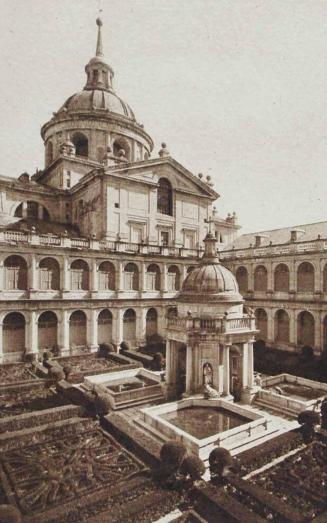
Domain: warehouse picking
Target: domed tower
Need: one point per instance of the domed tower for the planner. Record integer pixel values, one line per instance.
(209, 337)
(96, 122)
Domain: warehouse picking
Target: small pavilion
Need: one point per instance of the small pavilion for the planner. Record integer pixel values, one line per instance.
(209, 336)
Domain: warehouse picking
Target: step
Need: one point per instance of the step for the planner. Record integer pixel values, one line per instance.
(275, 408)
(158, 436)
(140, 401)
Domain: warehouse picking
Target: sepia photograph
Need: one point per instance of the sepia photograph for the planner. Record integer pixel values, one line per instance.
(163, 261)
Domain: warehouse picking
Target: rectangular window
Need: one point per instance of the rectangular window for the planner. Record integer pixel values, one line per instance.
(151, 281)
(171, 281)
(129, 280)
(12, 274)
(45, 279)
(164, 238)
(105, 283)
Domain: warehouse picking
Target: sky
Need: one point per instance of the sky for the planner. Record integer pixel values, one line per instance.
(236, 88)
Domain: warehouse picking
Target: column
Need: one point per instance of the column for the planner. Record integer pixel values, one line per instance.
(33, 273)
(318, 345)
(293, 327)
(270, 326)
(245, 366)
(24, 210)
(1, 341)
(140, 326)
(40, 211)
(250, 276)
(164, 282)
(92, 330)
(65, 275)
(293, 277)
(117, 327)
(226, 384)
(2, 281)
(94, 276)
(63, 333)
(189, 369)
(31, 334)
(120, 277)
(168, 362)
(143, 278)
(270, 277)
(250, 364)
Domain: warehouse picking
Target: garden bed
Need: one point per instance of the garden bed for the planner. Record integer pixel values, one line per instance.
(27, 399)
(16, 373)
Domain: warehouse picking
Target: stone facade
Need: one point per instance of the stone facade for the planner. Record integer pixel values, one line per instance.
(283, 276)
(95, 245)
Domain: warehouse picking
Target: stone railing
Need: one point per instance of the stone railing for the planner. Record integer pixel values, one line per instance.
(50, 240)
(222, 325)
(275, 250)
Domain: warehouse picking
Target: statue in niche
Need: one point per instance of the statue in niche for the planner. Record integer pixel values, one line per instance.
(209, 391)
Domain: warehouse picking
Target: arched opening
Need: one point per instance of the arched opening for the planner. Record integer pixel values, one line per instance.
(15, 273)
(129, 326)
(242, 279)
(79, 271)
(305, 329)
(173, 278)
(282, 326)
(32, 211)
(105, 326)
(153, 278)
(106, 274)
(260, 278)
(151, 323)
(165, 197)
(121, 144)
(325, 279)
(47, 330)
(261, 320)
(49, 153)
(13, 333)
(131, 274)
(282, 278)
(81, 144)
(49, 274)
(77, 329)
(305, 277)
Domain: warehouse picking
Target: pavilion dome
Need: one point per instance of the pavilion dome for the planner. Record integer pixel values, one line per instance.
(210, 281)
(97, 100)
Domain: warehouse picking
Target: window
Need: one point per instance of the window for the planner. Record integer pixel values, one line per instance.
(131, 276)
(153, 278)
(15, 273)
(81, 144)
(165, 197)
(68, 180)
(79, 275)
(164, 238)
(49, 274)
(106, 277)
(173, 278)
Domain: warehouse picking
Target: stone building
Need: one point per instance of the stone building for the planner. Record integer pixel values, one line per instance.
(282, 274)
(95, 245)
(209, 337)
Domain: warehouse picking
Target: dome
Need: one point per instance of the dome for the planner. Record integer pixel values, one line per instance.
(210, 281)
(97, 99)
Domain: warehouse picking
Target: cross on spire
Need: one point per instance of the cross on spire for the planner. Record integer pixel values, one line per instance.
(210, 221)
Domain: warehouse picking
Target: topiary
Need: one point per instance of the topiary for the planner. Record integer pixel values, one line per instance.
(308, 419)
(68, 369)
(172, 454)
(10, 514)
(220, 461)
(56, 373)
(124, 345)
(105, 349)
(193, 467)
(157, 362)
(102, 404)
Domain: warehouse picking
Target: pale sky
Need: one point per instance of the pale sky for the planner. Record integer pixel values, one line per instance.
(236, 88)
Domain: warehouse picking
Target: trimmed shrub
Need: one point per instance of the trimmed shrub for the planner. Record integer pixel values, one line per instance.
(56, 373)
(102, 404)
(10, 514)
(193, 467)
(308, 419)
(124, 345)
(220, 461)
(307, 352)
(158, 362)
(172, 454)
(105, 349)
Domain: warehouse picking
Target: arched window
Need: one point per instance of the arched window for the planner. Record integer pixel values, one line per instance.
(260, 278)
(13, 333)
(49, 274)
(282, 326)
(47, 330)
(79, 271)
(165, 197)
(242, 279)
(282, 278)
(305, 277)
(15, 273)
(32, 211)
(129, 325)
(325, 279)
(261, 320)
(105, 326)
(77, 329)
(121, 144)
(106, 274)
(305, 329)
(151, 322)
(81, 144)
(131, 274)
(153, 277)
(49, 153)
(173, 278)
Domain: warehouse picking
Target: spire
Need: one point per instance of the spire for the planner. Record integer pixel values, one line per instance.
(99, 73)
(99, 51)
(210, 254)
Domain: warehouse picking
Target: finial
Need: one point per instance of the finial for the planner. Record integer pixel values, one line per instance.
(99, 51)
